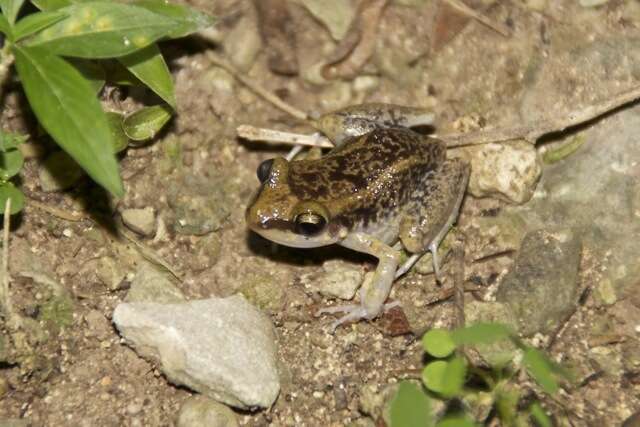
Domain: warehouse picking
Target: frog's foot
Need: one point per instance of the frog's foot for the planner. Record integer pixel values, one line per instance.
(354, 312)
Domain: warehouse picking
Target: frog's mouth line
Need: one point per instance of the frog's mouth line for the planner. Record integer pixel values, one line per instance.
(286, 237)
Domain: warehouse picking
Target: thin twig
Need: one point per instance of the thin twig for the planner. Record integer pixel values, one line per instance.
(531, 132)
(270, 135)
(497, 27)
(149, 254)
(5, 262)
(259, 90)
(458, 280)
(57, 212)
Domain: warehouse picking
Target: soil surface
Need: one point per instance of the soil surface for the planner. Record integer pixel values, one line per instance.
(74, 369)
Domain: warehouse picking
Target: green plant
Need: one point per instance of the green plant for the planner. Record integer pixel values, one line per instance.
(450, 377)
(11, 161)
(66, 51)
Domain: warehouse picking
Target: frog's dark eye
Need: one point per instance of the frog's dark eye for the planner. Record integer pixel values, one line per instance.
(264, 170)
(309, 223)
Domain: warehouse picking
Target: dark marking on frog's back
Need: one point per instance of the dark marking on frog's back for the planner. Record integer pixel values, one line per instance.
(376, 172)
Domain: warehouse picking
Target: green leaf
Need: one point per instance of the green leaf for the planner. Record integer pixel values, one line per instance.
(541, 369)
(433, 375)
(455, 376)
(90, 70)
(539, 415)
(445, 377)
(103, 30)
(438, 343)
(146, 122)
(10, 163)
(118, 137)
(481, 333)
(9, 191)
(10, 141)
(149, 67)
(456, 421)
(5, 27)
(51, 4)
(410, 407)
(10, 9)
(35, 22)
(64, 103)
(187, 20)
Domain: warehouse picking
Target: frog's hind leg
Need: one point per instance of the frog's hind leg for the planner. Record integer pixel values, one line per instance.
(341, 125)
(442, 197)
(372, 297)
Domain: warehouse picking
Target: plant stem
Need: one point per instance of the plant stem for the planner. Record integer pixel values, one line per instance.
(6, 59)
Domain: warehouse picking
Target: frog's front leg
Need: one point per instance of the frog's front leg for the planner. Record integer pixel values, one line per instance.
(372, 298)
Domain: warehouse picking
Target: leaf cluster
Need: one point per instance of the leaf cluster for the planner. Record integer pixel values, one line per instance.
(67, 50)
(449, 376)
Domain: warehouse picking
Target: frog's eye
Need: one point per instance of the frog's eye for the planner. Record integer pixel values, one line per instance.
(264, 170)
(309, 223)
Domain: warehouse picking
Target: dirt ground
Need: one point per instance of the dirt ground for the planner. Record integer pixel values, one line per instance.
(428, 54)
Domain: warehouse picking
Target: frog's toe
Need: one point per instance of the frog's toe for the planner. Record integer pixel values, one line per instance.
(353, 313)
(407, 265)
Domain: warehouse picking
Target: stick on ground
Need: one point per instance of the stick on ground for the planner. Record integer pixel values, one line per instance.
(534, 130)
(6, 297)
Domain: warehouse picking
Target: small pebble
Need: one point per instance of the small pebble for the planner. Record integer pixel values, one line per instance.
(141, 221)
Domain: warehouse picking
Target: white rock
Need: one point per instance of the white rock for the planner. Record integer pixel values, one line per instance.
(507, 171)
(223, 348)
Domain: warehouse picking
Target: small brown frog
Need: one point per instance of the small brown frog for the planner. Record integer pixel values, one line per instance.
(382, 184)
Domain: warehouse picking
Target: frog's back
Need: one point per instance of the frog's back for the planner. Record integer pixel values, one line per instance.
(369, 178)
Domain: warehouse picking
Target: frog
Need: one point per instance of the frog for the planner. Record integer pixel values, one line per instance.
(384, 187)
